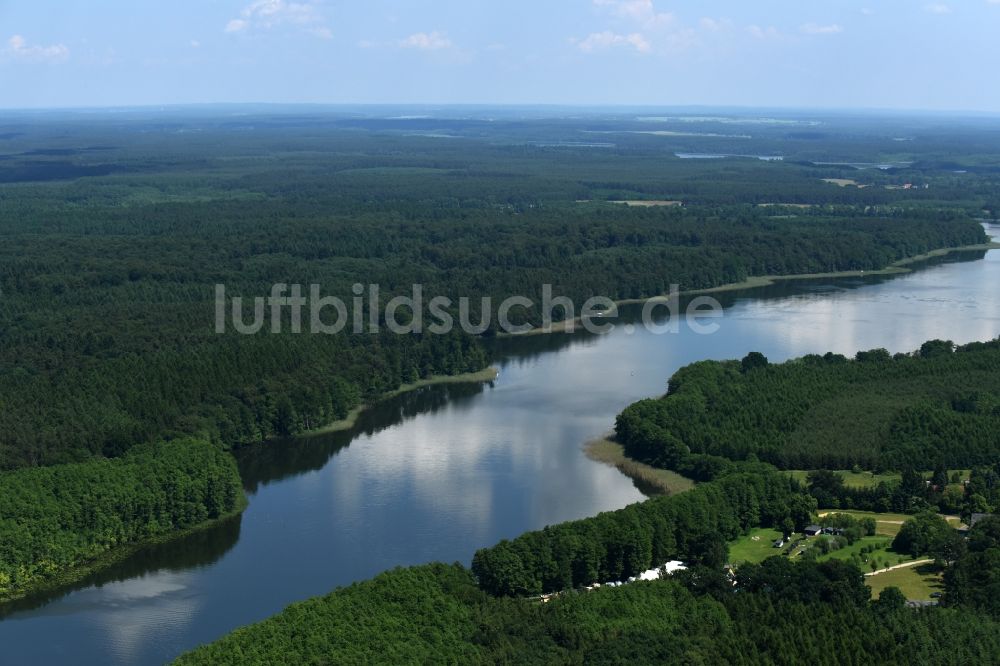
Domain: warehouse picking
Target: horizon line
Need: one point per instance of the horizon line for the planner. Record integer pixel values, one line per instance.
(502, 105)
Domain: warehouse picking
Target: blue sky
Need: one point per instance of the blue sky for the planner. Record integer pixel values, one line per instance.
(904, 54)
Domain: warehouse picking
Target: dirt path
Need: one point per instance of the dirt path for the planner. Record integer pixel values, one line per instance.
(877, 520)
(899, 566)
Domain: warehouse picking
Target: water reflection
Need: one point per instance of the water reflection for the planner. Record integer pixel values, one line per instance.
(438, 473)
(268, 462)
(193, 551)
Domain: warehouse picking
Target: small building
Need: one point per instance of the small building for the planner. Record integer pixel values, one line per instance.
(920, 603)
(779, 543)
(976, 517)
(812, 530)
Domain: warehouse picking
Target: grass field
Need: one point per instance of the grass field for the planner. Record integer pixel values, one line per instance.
(851, 479)
(869, 479)
(888, 524)
(755, 547)
(884, 557)
(916, 583)
(758, 545)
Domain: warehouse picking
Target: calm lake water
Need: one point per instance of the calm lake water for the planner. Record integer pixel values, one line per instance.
(436, 474)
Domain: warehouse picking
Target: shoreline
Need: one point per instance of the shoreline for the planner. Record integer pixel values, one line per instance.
(895, 268)
(658, 481)
(487, 374)
(76, 573)
(899, 267)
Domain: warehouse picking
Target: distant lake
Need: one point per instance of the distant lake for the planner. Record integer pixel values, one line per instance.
(438, 473)
(719, 156)
(883, 166)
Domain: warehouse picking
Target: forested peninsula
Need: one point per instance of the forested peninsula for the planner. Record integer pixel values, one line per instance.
(58, 522)
(937, 406)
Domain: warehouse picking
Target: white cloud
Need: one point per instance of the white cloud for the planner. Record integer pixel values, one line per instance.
(639, 25)
(642, 11)
(267, 14)
(938, 8)
(426, 41)
(607, 39)
(18, 47)
(769, 32)
(816, 29)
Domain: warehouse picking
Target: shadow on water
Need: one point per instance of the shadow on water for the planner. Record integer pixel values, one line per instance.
(258, 464)
(274, 461)
(198, 549)
(267, 462)
(397, 500)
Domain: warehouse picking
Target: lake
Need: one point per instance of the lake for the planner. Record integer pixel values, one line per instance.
(436, 474)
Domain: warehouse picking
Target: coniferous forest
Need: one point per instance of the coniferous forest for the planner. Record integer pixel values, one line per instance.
(939, 404)
(107, 335)
(778, 611)
(53, 519)
(121, 403)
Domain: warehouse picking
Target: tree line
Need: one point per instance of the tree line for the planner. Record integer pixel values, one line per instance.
(107, 316)
(53, 519)
(938, 405)
(778, 612)
(694, 527)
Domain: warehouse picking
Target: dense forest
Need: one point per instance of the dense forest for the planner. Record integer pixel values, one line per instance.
(53, 519)
(913, 491)
(119, 400)
(779, 611)
(936, 407)
(693, 527)
(115, 233)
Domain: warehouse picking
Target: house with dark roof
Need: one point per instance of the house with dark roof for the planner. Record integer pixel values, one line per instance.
(976, 517)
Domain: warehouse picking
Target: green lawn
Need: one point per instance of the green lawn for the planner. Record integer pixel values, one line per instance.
(884, 556)
(756, 546)
(887, 524)
(869, 479)
(916, 583)
(851, 479)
